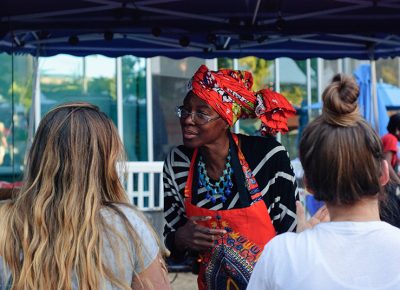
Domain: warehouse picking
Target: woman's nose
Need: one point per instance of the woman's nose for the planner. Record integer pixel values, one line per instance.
(189, 120)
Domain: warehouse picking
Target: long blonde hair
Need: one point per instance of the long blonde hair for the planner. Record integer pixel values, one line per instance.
(53, 230)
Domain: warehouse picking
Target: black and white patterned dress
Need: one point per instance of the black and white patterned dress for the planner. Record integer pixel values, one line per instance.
(270, 164)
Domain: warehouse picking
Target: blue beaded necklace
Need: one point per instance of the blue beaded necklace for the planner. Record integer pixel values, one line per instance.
(222, 188)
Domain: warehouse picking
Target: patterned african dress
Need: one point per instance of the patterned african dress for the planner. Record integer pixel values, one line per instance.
(229, 264)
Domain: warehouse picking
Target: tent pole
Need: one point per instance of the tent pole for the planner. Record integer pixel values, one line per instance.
(309, 99)
(149, 110)
(120, 120)
(32, 111)
(34, 114)
(320, 68)
(398, 71)
(374, 106)
(277, 88)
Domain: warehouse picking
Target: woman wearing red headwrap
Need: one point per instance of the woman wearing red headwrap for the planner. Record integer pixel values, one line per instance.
(227, 195)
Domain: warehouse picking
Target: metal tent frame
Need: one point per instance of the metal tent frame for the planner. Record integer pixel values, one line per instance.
(362, 29)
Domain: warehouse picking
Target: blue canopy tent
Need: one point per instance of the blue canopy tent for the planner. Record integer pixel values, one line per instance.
(390, 95)
(376, 114)
(361, 29)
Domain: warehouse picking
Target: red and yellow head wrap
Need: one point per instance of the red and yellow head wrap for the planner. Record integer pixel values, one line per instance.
(229, 93)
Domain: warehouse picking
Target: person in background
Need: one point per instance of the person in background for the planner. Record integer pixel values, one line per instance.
(71, 225)
(226, 195)
(389, 204)
(390, 141)
(344, 166)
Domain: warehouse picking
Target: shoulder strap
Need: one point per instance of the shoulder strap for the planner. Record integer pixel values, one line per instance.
(195, 181)
(238, 174)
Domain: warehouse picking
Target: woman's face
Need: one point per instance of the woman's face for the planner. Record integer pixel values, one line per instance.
(197, 135)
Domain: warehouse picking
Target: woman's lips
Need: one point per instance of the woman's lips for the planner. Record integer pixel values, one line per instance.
(188, 134)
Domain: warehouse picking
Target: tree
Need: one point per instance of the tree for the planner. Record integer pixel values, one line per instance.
(102, 86)
(260, 68)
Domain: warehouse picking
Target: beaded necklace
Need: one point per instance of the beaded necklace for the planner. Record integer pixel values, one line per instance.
(222, 188)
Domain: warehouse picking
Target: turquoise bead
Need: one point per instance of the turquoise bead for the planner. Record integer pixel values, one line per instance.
(222, 188)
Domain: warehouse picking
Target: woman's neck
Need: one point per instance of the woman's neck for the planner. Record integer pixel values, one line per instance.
(215, 157)
(367, 209)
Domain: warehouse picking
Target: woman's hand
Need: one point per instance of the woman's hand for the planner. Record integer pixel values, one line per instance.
(195, 236)
(322, 215)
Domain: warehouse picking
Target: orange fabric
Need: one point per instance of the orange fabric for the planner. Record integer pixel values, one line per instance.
(274, 110)
(389, 142)
(229, 93)
(247, 228)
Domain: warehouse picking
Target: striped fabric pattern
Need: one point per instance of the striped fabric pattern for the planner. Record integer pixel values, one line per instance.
(270, 164)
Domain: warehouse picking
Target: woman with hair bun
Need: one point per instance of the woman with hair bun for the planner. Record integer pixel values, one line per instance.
(71, 226)
(344, 166)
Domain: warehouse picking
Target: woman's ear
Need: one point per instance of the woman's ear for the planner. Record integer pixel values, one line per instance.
(384, 173)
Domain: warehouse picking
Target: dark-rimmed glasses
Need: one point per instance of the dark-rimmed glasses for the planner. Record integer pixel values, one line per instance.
(197, 117)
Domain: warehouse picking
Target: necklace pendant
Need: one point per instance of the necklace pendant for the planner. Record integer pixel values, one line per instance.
(221, 189)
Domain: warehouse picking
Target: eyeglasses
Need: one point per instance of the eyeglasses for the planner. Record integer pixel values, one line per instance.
(197, 118)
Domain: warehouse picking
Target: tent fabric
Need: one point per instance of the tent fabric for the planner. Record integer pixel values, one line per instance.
(363, 78)
(360, 29)
(390, 95)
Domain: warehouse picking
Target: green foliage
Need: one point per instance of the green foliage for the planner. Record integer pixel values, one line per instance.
(22, 93)
(18, 85)
(388, 75)
(66, 88)
(6, 74)
(102, 86)
(134, 76)
(224, 62)
(260, 68)
(294, 93)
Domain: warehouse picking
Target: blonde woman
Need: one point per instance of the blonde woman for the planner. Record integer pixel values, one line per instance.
(71, 225)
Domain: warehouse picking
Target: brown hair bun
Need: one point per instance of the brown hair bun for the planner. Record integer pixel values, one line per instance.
(340, 102)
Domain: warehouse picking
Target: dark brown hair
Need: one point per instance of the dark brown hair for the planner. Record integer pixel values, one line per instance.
(341, 154)
(394, 123)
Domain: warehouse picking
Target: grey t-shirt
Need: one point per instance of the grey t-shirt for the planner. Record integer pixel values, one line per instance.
(148, 245)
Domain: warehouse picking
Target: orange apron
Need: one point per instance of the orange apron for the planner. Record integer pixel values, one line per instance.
(229, 264)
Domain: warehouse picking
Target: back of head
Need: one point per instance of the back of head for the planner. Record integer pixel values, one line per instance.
(55, 221)
(341, 154)
(75, 149)
(394, 124)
